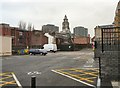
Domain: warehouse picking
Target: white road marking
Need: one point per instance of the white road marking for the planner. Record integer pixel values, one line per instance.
(64, 57)
(98, 82)
(18, 83)
(77, 57)
(74, 79)
(82, 53)
(89, 63)
(35, 72)
(88, 66)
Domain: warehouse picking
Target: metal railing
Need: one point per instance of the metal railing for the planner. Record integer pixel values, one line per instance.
(109, 40)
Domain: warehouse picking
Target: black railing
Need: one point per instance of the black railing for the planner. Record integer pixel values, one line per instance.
(109, 40)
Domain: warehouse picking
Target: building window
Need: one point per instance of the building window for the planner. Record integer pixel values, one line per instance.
(20, 33)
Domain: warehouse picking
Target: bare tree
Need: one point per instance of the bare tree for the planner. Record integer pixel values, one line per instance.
(33, 28)
(22, 25)
(29, 27)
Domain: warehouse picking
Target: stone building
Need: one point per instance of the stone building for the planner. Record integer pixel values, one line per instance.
(49, 28)
(65, 25)
(98, 30)
(81, 35)
(65, 35)
(80, 31)
(117, 16)
(5, 40)
(50, 31)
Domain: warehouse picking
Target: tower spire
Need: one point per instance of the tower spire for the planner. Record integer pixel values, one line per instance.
(65, 25)
(65, 17)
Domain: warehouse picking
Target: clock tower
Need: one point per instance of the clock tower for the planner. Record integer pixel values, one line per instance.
(65, 25)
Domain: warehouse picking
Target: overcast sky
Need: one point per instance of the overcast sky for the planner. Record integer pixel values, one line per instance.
(86, 13)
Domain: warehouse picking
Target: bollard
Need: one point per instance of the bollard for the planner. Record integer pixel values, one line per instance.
(33, 82)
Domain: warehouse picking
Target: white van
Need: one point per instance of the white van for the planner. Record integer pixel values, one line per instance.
(50, 47)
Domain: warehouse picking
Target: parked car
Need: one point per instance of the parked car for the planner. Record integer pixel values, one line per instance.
(37, 51)
(50, 47)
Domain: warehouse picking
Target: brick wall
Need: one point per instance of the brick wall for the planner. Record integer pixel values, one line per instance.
(110, 65)
(38, 38)
(5, 30)
(81, 40)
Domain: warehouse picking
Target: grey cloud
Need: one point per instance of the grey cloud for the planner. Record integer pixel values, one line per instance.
(88, 13)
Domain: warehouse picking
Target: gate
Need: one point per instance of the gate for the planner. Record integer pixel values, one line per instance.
(110, 39)
(110, 53)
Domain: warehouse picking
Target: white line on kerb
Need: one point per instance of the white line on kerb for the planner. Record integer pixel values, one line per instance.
(74, 79)
(18, 83)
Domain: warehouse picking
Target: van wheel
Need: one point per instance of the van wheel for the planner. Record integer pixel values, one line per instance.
(30, 53)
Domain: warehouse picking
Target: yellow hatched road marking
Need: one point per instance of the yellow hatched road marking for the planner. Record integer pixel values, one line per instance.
(87, 69)
(5, 76)
(83, 71)
(89, 73)
(1, 85)
(1, 81)
(79, 71)
(81, 74)
(11, 82)
(6, 83)
(2, 74)
(81, 78)
(92, 78)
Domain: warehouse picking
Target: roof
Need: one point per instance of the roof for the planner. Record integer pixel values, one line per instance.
(4, 24)
(105, 26)
(118, 7)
